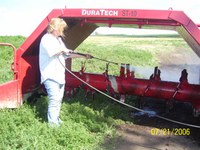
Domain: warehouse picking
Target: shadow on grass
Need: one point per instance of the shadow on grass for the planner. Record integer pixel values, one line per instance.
(40, 103)
(103, 104)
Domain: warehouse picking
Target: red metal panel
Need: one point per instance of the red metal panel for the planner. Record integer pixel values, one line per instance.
(117, 13)
(10, 95)
(188, 24)
(29, 74)
(193, 31)
(180, 17)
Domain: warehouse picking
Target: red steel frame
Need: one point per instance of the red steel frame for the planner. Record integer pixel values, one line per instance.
(82, 22)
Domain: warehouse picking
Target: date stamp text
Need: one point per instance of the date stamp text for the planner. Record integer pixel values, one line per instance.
(168, 131)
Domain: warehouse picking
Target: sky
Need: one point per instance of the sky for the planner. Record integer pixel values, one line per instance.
(21, 17)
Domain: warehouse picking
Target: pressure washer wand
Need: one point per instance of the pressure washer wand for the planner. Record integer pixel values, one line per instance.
(96, 58)
(107, 61)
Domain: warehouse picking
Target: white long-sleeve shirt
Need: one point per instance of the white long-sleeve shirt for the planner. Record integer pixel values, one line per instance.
(50, 66)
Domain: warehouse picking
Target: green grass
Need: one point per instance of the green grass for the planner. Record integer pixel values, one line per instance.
(87, 123)
(128, 50)
(6, 56)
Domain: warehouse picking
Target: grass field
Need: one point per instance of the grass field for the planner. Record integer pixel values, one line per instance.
(128, 50)
(87, 123)
(6, 56)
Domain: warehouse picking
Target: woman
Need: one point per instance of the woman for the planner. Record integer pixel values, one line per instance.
(51, 69)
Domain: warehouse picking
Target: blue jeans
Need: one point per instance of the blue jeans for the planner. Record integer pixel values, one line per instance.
(55, 93)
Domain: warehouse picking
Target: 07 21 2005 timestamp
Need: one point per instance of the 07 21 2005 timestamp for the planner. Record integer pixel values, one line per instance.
(173, 131)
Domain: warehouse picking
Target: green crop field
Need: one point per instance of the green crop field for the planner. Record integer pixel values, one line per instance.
(87, 123)
(6, 56)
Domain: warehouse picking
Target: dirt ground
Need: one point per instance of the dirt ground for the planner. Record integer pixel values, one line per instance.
(138, 136)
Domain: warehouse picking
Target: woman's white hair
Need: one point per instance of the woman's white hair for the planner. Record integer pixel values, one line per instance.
(57, 24)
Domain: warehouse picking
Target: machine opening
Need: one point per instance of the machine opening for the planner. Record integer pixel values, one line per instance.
(147, 49)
